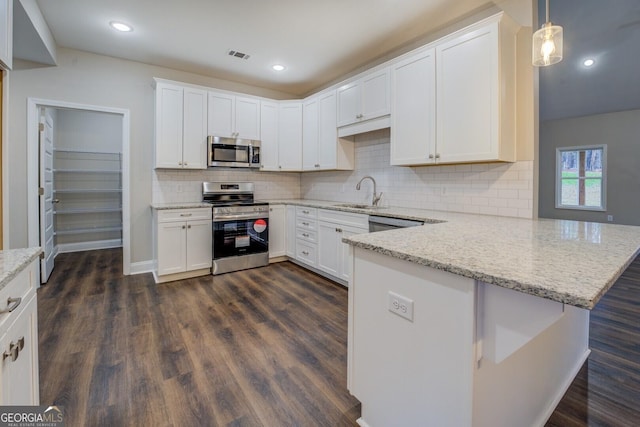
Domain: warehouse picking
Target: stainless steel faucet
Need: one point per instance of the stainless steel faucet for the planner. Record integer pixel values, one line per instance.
(376, 196)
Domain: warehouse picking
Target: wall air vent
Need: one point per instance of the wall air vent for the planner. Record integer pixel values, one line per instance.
(237, 54)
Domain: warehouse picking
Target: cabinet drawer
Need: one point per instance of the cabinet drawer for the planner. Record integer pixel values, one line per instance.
(306, 252)
(306, 235)
(171, 215)
(305, 212)
(22, 286)
(306, 224)
(344, 218)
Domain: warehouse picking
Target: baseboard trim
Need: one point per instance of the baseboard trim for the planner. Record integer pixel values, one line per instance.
(89, 246)
(567, 383)
(141, 267)
(181, 276)
(361, 422)
(319, 272)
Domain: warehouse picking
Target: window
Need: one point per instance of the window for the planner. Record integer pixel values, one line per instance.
(581, 177)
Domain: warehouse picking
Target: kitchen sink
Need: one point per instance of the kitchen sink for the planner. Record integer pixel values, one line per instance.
(360, 206)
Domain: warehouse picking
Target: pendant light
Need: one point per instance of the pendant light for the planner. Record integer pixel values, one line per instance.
(547, 44)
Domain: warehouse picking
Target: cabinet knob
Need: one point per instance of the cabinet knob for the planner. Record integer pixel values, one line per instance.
(55, 201)
(184, 164)
(184, 226)
(431, 156)
(317, 165)
(179, 163)
(437, 155)
(188, 226)
(279, 167)
(338, 230)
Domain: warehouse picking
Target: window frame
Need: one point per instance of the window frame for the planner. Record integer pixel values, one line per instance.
(603, 192)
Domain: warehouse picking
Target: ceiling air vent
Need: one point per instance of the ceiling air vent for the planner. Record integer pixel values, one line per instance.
(237, 54)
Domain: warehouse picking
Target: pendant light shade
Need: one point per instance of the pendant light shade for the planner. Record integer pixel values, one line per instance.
(547, 44)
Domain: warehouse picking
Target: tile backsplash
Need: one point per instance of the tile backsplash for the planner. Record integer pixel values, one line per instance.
(504, 189)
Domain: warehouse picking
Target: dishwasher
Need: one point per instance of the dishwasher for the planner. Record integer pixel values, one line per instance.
(381, 223)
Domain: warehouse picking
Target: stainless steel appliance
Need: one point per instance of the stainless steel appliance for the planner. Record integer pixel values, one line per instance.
(381, 223)
(233, 152)
(240, 226)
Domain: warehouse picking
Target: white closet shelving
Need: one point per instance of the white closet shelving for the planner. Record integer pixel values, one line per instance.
(87, 199)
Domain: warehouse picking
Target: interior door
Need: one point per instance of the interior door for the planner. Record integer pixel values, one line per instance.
(46, 196)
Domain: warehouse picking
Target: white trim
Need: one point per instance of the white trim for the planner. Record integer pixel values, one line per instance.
(33, 227)
(142, 267)
(89, 246)
(5, 158)
(603, 179)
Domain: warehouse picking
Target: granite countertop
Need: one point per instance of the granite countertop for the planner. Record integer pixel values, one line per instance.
(13, 261)
(180, 205)
(566, 261)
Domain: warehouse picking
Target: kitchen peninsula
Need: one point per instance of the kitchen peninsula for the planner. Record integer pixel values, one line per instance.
(476, 321)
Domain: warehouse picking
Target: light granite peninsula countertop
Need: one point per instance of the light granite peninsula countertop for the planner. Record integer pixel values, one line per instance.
(180, 205)
(566, 261)
(13, 261)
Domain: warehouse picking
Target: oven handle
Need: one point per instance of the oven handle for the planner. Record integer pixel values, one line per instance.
(220, 218)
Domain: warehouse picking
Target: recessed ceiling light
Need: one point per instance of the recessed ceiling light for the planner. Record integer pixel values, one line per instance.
(278, 67)
(589, 62)
(121, 26)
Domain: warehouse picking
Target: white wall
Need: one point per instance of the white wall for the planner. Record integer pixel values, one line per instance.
(86, 78)
(504, 189)
(88, 131)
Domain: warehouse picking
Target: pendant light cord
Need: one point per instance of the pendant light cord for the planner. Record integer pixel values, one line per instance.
(547, 11)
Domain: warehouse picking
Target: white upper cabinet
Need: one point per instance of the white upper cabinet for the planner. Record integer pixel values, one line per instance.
(290, 136)
(413, 109)
(269, 133)
(233, 116)
(6, 34)
(181, 127)
(455, 102)
(362, 101)
(476, 95)
(321, 148)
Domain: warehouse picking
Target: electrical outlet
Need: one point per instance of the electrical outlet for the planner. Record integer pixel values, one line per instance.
(609, 218)
(402, 306)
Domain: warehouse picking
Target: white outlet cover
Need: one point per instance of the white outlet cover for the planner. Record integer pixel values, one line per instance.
(401, 305)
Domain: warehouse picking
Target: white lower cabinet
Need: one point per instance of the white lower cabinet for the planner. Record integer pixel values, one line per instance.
(290, 233)
(19, 377)
(183, 243)
(277, 231)
(333, 254)
(306, 250)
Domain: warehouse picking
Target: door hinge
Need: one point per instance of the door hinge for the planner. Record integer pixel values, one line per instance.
(40, 191)
(42, 255)
(41, 127)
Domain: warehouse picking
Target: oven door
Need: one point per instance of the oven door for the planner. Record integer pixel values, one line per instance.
(237, 237)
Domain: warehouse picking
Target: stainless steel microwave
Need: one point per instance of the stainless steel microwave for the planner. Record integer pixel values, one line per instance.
(233, 152)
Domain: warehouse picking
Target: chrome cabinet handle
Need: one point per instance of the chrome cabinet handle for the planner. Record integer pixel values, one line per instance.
(55, 201)
(185, 214)
(305, 234)
(14, 350)
(305, 253)
(305, 212)
(12, 304)
(437, 155)
(179, 163)
(431, 156)
(305, 223)
(338, 230)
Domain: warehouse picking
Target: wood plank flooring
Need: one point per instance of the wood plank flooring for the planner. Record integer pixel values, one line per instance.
(262, 347)
(606, 391)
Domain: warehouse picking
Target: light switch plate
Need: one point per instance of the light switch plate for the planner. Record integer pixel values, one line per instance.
(400, 305)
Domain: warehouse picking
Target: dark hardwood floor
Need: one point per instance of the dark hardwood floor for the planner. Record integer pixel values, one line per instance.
(262, 347)
(606, 391)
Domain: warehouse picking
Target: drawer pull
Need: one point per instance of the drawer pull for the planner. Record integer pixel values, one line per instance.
(14, 350)
(338, 230)
(12, 304)
(305, 253)
(305, 234)
(305, 212)
(305, 223)
(185, 214)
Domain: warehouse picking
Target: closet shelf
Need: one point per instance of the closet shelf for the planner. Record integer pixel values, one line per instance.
(89, 190)
(114, 171)
(87, 230)
(86, 211)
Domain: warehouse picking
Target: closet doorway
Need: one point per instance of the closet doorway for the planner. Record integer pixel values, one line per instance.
(81, 171)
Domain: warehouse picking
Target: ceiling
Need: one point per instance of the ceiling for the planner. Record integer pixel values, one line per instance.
(318, 41)
(608, 32)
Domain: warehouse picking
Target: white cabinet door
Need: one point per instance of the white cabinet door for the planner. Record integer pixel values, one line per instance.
(221, 114)
(349, 103)
(269, 135)
(346, 264)
(328, 133)
(198, 245)
(290, 136)
(310, 135)
(247, 118)
(19, 377)
(194, 139)
(413, 124)
(277, 231)
(6, 34)
(169, 117)
(328, 245)
(468, 92)
(375, 95)
(172, 247)
(290, 233)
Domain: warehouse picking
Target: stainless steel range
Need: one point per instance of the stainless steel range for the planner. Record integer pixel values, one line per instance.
(240, 226)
